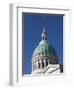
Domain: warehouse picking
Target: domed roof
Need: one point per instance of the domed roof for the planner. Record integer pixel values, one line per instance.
(44, 48)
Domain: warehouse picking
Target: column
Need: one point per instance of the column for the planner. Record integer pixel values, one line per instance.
(40, 62)
(33, 65)
(36, 64)
(44, 63)
(48, 61)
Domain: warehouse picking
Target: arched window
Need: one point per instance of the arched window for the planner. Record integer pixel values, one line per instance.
(39, 65)
(42, 64)
(46, 62)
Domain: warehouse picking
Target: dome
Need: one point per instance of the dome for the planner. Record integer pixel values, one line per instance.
(44, 48)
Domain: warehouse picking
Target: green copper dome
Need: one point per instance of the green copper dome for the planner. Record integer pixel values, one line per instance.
(44, 48)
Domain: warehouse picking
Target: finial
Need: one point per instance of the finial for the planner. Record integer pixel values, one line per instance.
(43, 29)
(44, 34)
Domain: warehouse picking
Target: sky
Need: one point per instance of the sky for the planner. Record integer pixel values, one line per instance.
(32, 28)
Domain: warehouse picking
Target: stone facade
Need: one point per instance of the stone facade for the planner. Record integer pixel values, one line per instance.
(44, 58)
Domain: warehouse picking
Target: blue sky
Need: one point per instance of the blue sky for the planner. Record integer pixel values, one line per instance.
(32, 28)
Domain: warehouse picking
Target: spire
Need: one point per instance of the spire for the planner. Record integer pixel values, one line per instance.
(43, 29)
(44, 34)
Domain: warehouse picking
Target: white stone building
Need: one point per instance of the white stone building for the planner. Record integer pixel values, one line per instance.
(44, 58)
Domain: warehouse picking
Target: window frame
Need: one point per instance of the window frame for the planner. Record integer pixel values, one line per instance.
(16, 10)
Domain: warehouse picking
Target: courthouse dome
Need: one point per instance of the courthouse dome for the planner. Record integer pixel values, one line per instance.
(44, 47)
